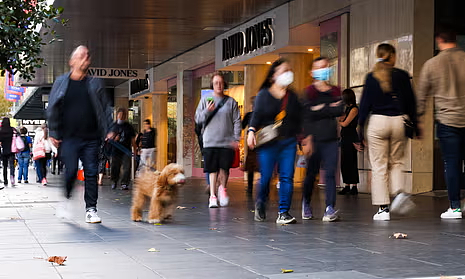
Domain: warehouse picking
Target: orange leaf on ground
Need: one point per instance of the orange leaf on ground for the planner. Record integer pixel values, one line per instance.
(57, 259)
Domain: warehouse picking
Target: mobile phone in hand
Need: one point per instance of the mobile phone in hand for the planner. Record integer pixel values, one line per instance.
(210, 100)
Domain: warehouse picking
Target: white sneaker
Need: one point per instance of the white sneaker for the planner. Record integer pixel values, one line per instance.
(12, 179)
(402, 204)
(213, 202)
(278, 185)
(92, 217)
(63, 210)
(382, 215)
(452, 214)
(223, 196)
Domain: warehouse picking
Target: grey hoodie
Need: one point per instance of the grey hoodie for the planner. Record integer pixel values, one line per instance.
(225, 126)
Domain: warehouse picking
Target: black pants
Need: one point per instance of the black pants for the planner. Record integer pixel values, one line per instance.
(73, 150)
(57, 162)
(349, 163)
(119, 160)
(8, 159)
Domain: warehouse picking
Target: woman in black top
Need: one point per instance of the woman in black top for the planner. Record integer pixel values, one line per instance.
(349, 143)
(8, 158)
(389, 100)
(147, 143)
(251, 164)
(275, 103)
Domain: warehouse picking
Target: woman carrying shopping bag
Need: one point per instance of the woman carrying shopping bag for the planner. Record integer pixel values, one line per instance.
(8, 157)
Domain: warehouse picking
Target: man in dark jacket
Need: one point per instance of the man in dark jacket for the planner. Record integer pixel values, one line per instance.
(79, 115)
(322, 107)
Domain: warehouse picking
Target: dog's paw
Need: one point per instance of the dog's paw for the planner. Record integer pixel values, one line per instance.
(168, 216)
(139, 219)
(154, 221)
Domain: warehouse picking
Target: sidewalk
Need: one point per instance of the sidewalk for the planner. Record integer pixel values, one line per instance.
(224, 242)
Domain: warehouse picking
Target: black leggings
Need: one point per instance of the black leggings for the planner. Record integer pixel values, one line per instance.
(8, 159)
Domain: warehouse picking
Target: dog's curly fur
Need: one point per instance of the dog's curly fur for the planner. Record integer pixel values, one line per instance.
(161, 188)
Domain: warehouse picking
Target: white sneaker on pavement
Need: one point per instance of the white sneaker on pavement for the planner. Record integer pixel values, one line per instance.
(223, 196)
(382, 215)
(213, 202)
(92, 217)
(402, 204)
(452, 214)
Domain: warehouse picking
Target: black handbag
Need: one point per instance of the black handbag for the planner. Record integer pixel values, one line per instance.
(409, 128)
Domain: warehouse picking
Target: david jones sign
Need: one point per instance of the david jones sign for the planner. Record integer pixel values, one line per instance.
(117, 73)
(253, 38)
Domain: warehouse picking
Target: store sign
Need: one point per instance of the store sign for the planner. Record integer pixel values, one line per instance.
(139, 85)
(255, 37)
(261, 35)
(32, 122)
(116, 73)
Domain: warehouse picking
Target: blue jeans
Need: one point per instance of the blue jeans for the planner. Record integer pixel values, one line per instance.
(283, 154)
(452, 142)
(73, 150)
(38, 170)
(325, 153)
(23, 162)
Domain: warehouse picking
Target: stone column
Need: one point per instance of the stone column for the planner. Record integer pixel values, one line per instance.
(300, 63)
(254, 75)
(185, 121)
(160, 122)
(146, 110)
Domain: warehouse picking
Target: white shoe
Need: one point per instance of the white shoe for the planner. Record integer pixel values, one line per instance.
(63, 210)
(402, 204)
(12, 180)
(382, 215)
(223, 196)
(213, 202)
(92, 217)
(452, 214)
(278, 185)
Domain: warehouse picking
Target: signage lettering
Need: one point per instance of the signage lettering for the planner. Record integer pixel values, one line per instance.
(116, 73)
(255, 37)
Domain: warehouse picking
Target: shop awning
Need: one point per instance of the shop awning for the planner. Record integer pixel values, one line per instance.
(33, 107)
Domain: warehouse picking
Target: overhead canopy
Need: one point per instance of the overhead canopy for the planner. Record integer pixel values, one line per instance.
(33, 106)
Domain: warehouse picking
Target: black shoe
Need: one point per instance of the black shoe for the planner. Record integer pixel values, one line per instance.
(345, 191)
(25, 181)
(124, 187)
(113, 186)
(285, 218)
(53, 172)
(260, 213)
(249, 190)
(354, 190)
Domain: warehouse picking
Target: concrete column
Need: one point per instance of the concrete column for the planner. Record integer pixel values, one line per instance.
(185, 121)
(160, 122)
(254, 75)
(146, 110)
(423, 49)
(300, 63)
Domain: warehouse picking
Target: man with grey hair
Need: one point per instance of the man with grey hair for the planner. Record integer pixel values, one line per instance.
(79, 115)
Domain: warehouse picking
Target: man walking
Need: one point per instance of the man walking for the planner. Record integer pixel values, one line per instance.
(323, 106)
(443, 77)
(79, 116)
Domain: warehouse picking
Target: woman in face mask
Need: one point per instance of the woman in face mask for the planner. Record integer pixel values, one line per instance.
(275, 123)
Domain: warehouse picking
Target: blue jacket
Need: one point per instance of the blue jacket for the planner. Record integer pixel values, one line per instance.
(99, 100)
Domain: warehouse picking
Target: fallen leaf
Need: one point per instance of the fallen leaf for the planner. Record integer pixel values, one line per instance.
(181, 207)
(287, 270)
(158, 224)
(284, 224)
(116, 199)
(190, 249)
(271, 239)
(238, 218)
(57, 259)
(16, 218)
(398, 235)
(253, 211)
(153, 250)
(213, 229)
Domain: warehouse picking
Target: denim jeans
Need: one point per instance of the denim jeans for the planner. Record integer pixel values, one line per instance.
(325, 153)
(23, 162)
(452, 142)
(282, 153)
(73, 150)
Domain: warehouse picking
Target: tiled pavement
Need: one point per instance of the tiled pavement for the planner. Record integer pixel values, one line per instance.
(224, 242)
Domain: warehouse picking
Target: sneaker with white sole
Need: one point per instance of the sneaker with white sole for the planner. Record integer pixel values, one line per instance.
(12, 180)
(306, 211)
(285, 218)
(402, 204)
(331, 214)
(452, 214)
(92, 217)
(63, 210)
(382, 215)
(213, 202)
(223, 196)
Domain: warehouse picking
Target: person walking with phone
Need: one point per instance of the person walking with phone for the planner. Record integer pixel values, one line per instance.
(220, 119)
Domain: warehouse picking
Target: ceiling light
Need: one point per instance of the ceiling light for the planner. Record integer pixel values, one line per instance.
(268, 63)
(310, 49)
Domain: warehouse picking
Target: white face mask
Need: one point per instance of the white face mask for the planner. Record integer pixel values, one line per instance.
(285, 79)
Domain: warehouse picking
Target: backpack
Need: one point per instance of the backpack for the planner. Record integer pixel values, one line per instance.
(26, 144)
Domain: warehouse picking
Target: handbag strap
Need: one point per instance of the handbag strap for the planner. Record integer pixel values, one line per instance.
(282, 113)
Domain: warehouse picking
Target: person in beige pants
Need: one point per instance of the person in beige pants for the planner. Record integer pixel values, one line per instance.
(389, 99)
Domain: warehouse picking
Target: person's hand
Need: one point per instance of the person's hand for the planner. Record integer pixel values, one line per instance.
(251, 140)
(235, 145)
(211, 106)
(335, 104)
(55, 142)
(110, 135)
(358, 146)
(307, 146)
(318, 107)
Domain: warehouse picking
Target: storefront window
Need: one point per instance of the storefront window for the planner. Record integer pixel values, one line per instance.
(134, 115)
(172, 113)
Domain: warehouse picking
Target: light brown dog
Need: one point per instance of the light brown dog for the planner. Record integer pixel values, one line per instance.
(161, 188)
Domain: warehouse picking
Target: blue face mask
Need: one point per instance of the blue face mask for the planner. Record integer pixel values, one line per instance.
(322, 74)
